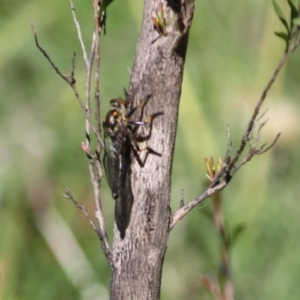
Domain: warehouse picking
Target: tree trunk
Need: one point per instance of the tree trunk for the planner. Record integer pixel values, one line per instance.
(157, 71)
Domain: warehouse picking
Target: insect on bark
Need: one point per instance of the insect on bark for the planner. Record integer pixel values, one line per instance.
(121, 140)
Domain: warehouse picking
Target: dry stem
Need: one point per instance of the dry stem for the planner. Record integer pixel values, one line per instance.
(94, 162)
(229, 168)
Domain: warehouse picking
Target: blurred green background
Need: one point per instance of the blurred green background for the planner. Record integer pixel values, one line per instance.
(47, 247)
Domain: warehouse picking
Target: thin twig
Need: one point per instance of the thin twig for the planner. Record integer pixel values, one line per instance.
(68, 195)
(78, 29)
(95, 177)
(260, 102)
(182, 212)
(229, 169)
(94, 165)
(101, 234)
(89, 64)
(181, 203)
(70, 79)
(97, 67)
(262, 151)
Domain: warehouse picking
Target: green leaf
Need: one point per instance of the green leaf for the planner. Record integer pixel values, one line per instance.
(294, 4)
(236, 232)
(282, 35)
(278, 10)
(296, 21)
(294, 11)
(280, 14)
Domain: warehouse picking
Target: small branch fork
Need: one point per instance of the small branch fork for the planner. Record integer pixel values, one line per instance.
(105, 245)
(230, 166)
(94, 162)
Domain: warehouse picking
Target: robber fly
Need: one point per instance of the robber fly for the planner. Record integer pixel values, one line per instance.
(120, 137)
(117, 145)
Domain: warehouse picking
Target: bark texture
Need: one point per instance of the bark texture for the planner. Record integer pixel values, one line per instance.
(157, 71)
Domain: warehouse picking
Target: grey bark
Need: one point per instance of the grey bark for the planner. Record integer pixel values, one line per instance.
(157, 71)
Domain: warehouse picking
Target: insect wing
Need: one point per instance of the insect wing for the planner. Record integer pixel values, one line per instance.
(116, 160)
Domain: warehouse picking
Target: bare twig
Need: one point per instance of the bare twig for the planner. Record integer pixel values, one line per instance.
(101, 232)
(229, 148)
(229, 169)
(70, 79)
(261, 101)
(252, 152)
(89, 64)
(85, 57)
(68, 195)
(97, 67)
(262, 151)
(94, 160)
(181, 203)
(183, 211)
(95, 168)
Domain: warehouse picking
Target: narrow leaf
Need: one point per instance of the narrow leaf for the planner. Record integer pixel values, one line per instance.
(294, 4)
(282, 35)
(278, 10)
(280, 14)
(294, 11)
(236, 232)
(296, 21)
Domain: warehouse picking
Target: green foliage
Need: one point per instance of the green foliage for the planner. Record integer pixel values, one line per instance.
(280, 14)
(41, 127)
(293, 23)
(236, 232)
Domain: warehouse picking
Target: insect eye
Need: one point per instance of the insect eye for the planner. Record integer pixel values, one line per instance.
(111, 120)
(118, 103)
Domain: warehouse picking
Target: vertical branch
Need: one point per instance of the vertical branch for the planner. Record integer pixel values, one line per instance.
(225, 282)
(77, 25)
(94, 163)
(221, 286)
(95, 167)
(96, 183)
(97, 67)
